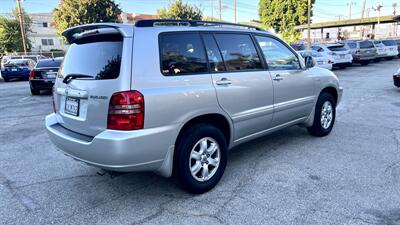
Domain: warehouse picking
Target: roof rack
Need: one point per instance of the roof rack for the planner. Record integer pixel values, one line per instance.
(192, 23)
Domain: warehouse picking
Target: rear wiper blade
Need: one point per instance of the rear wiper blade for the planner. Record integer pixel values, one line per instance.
(70, 77)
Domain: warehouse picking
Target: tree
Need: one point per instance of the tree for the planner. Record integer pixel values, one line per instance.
(283, 16)
(71, 13)
(180, 10)
(10, 33)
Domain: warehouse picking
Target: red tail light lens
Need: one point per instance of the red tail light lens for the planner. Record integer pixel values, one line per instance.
(32, 74)
(126, 111)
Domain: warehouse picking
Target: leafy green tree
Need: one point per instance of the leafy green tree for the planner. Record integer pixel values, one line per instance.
(283, 16)
(71, 13)
(10, 33)
(180, 10)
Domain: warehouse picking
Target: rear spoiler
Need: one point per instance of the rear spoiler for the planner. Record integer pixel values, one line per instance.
(74, 33)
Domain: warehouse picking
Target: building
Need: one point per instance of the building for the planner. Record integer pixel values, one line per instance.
(43, 35)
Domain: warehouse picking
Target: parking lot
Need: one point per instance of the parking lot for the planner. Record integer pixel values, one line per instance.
(349, 177)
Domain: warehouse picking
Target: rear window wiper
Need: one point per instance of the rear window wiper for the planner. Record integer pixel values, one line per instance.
(70, 77)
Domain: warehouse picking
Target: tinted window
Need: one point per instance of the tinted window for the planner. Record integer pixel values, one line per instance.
(182, 53)
(352, 45)
(213, 54)
(48, 63)
(277, 55)
(100, 59)
(337, 48)
(238, 52)
(389, 42)
(317, 48)
(299, 47)
(366, 44)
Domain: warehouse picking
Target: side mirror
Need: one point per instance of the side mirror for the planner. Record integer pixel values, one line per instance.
(309, 61)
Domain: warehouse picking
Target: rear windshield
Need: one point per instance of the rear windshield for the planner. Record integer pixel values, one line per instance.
(389, 42)
(337, 48)
(352, 45)
(48, 63)
(17, 63)
(100, 59)
(366, 44)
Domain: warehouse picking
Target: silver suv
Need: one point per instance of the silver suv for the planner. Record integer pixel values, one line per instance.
(173, 96)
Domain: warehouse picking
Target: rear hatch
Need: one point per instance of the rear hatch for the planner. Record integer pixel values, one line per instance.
(367, 48)
(339, 51)
(97, 65)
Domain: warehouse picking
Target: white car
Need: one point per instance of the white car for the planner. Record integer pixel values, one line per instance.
(391, 48)
(338, 54)
(320, 60)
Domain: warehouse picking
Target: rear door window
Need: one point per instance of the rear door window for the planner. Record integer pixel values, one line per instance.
(389, 42)
(182, 53)
(338, 48)
(99, 58)
(352, 45)
(238, 52)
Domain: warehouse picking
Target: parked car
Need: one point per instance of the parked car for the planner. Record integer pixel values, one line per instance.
(362, 51)
(391, 48)
(320, 60)
(336, 53)
(396, 78)
(398, 46)
(17, 69)
(173, 96)
(7, 58)
(44, 74)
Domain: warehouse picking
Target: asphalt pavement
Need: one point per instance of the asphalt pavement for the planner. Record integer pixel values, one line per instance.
(351, 177)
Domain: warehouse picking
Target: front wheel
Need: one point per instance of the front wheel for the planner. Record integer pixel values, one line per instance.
(325, 114)
(200, 158)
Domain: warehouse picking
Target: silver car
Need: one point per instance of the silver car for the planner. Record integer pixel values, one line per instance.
(173, 96)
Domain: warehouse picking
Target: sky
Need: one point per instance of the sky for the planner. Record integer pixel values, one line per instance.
(324, 10)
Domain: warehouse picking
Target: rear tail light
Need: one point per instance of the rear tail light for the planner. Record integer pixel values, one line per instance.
(126, 111)
(330, 62)
(32, 74)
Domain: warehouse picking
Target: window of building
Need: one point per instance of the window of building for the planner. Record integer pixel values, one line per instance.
(238, 52)
(45, 24)
(47, 42)
(182, 53)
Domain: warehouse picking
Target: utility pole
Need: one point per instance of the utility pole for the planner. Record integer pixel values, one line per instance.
(362, 18)
(21, 24)
(212, 9)
(350, 4)
(235, 11)
(220, 9)
(309, 25)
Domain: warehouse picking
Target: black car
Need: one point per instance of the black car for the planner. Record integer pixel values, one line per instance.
(44, 74)
(396, 78)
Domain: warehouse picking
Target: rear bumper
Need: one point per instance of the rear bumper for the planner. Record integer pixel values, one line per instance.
(15, 74)
(41, 84)
(124, 151)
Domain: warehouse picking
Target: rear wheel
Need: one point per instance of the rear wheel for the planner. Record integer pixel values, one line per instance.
(6, 79)
(200, 158)
(364, 63)
(377, 59)
(325, 114)
(389, 58)
(35, 91)
(342, 66)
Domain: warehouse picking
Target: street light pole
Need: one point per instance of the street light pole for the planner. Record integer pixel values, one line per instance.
(235, 11)
(309, 25)
(21, 24)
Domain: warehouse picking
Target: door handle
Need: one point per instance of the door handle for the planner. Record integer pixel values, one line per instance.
(278, 77)
(224, 81)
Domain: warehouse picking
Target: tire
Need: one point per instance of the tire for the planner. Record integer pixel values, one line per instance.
(6, 79)
(364, 63)
(35, 91)
(191, 141)
(319, 129)
(377, 60)
(389, 58)
(342, 66)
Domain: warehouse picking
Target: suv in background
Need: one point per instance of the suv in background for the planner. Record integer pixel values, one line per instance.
(172, 96)
(44, 74)
(337, 53)
(391, 48)
(362, 51)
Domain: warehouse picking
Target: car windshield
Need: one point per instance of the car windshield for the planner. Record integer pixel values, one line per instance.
(379, 44)
(389, 42)
(337, 48)
(49, 63)
(17, 63)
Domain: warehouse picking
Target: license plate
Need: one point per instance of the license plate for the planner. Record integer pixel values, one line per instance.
(14, 69)
(342, 56)
(72, 106)
(51, 75)
(320, 62)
